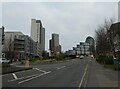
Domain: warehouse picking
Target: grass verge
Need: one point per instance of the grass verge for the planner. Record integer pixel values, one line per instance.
(109, 66)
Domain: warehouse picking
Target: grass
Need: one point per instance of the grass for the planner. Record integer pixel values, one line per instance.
(41, 61)
(4, 65)
(109, 66)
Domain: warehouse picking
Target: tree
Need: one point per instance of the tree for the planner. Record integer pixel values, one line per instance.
(104, 41)
(102, 44)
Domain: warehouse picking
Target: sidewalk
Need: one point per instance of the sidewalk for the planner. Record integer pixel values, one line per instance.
(101, 77)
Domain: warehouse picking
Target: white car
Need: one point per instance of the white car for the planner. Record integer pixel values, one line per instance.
(81, 57)
(4, 60)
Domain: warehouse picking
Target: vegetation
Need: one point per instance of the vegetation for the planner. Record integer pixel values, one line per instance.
(104, 40)
(103, 59)
(60, 56)
(4, 65)
(109, 66)
(107, 61)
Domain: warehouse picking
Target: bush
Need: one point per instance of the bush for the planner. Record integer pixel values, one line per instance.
(60, 56)
(103, 59)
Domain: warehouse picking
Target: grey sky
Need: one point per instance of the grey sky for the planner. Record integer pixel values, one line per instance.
(73, 21)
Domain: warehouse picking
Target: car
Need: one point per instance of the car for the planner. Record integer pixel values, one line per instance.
(116, 62)
(81, 57)
(4, 60)
(92, 56)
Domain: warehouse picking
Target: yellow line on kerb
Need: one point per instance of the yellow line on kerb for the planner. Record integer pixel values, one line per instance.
(83, 77)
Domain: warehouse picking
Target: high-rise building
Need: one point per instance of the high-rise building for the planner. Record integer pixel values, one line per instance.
(55, 38)
(38, 35)
(54, 45)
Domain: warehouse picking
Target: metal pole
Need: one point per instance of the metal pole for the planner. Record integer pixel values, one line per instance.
(0, 42)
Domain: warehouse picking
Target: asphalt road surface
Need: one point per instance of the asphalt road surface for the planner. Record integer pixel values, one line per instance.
(71, 73)
(63, 74)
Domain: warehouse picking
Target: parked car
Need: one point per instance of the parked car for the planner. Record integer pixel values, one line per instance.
(116, 62)
(81, 57)
(4, 60)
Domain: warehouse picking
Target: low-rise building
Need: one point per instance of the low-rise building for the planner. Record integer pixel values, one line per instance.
(114, 38)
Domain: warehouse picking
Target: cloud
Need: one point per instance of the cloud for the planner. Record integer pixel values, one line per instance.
(73, 21)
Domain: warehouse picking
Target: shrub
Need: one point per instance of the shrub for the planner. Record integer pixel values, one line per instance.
(103, 59)
(60, 56)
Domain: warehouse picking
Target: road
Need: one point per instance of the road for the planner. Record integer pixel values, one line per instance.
(71, 73)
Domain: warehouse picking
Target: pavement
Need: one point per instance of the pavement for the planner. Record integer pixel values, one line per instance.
(101, 77)
(68, 74)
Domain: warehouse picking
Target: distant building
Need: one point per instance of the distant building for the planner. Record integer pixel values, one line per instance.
(18, 46)
(54, 45)
(91, 43)
(38, 35)
(84, 48)
(70, 53)
(90, 40)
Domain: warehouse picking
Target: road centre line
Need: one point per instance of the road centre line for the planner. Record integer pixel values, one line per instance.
(34, 77)
(85, 71)
(14, 75)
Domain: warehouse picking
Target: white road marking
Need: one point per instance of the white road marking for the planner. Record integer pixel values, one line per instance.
(16, 72)
(14, 75)
(23, 77)
(83, 76)
(39, 70)
(28, 76)
(33, 77)
(60, 67)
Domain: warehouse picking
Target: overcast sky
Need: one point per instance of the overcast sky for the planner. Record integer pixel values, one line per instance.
(73, 21)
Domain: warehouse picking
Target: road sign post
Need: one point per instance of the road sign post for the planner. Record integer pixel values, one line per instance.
(0, 42)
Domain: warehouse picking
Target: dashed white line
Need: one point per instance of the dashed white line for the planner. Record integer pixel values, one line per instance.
(14, 75)
(60, 67)
(33, 77)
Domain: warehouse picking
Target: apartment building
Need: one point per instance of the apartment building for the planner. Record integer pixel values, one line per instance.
(18, 46)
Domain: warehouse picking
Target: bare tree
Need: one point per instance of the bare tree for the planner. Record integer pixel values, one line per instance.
(7, 44)
(104, 41)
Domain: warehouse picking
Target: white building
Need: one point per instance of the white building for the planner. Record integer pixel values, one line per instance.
(38, 35)
(84, 48)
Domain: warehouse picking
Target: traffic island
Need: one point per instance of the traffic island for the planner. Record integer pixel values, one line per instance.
(12, 69)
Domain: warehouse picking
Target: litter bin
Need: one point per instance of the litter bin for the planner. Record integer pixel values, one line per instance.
(116, 62)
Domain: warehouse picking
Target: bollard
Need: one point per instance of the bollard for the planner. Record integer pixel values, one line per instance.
(27, 65)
